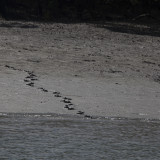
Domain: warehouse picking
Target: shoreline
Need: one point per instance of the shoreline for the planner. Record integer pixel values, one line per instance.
(78, 69)
(72, 117)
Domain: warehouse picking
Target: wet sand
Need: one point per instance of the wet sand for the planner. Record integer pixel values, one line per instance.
(110, 70)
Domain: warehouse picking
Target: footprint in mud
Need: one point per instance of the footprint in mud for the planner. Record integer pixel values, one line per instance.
(57, 94)
(88, 116)
(65, 98)
(7, 66)
(31, 75)
(43, 90)
(69, 107)
(27, 71)
(30, 78)
(13, 68)
(34, 79)
(26, 80)
(88, 60)
(80, 113)
(85, 116)
(66, 101)
(30, 84)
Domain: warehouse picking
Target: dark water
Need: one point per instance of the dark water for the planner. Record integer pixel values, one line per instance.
(45, 137)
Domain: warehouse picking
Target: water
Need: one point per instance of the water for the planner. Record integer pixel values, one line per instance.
(47, 137)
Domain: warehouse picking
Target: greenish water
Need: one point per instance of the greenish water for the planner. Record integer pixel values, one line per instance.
(45, 137)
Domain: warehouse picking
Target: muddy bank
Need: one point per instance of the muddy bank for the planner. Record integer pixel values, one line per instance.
(80, 69)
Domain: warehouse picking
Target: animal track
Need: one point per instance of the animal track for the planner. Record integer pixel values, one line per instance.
(69, 107)
(57, 94)
(88, 116)
(66, 101)
(25, 80)
(42, 89)
(80, 112)
(13, 68)
(32, 77)
(30, 84)
(65, 98)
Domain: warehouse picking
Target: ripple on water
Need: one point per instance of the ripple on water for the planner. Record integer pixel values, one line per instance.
(52, 136)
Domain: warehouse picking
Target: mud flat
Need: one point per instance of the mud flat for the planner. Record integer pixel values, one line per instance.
(110, 70)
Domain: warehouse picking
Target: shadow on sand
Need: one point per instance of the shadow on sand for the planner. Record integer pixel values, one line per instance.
(131, 27)
(17, 25)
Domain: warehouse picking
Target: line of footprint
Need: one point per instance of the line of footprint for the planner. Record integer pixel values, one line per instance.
(30, 81)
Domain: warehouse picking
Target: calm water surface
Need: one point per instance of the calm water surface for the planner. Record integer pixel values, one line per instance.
(45, 137)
